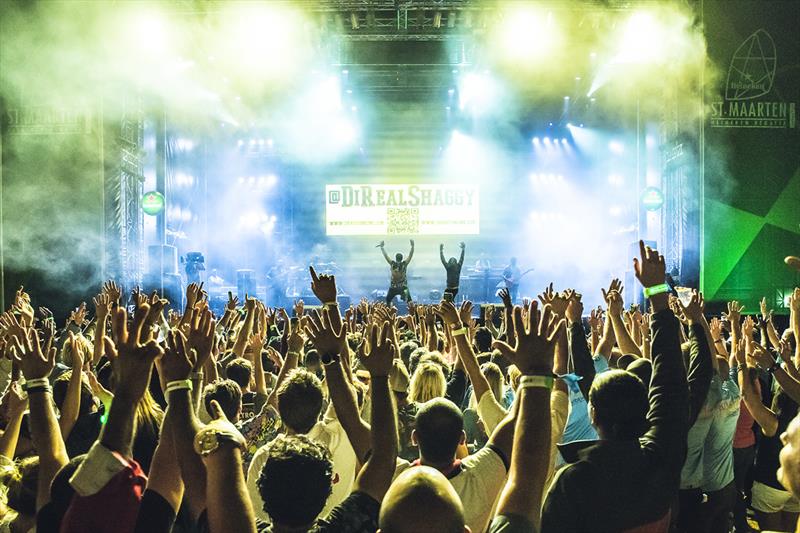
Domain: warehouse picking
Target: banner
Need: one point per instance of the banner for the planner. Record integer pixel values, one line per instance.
(402, 209)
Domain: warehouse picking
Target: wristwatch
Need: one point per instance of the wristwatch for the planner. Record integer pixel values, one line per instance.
(208, 439)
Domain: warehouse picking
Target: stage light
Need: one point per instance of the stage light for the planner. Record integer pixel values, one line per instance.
(252, 142)
(241, 180)
(616, 147)
(535, 140)
(149, 32)
(240, 143)
(270, 142)
(527, 34)
(272, 180)
(643, 40)
(615, 211)
(477, 92)
(615, 179)
(547, 140)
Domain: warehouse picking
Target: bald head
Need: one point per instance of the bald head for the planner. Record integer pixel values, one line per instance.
(422, 500)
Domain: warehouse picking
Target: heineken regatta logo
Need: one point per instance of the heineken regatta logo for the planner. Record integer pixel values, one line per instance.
(400, 196)
(751, 76)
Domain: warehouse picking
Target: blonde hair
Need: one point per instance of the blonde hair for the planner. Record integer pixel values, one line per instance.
(83, 344)
(427, 383)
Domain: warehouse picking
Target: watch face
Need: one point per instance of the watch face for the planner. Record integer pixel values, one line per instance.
(207, 442)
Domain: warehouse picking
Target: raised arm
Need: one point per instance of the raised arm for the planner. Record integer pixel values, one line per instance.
(410, 253)
(382, 246)
(767, 363)
(751, 395)
(441, 255)
(461, 258)
(36, 367)
(376, 475)
(17, 403)
(701, 360)
(331, 345)
(533, 355)
(452, 320)
(669, 394)
(626, 343)
(72, 400)
(580, 358)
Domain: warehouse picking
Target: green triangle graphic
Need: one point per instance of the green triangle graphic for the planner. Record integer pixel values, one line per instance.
(785, 212)
(734, 231)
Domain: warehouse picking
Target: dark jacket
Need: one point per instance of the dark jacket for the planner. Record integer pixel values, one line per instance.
(619, 485)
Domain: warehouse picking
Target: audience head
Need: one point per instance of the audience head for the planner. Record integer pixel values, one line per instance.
(240, 370)
(300, 400)
(295, 481)
(20, 481)
(427, 383)
(483, 339)
(229, 395)
(642, 369)
(88, 403)
(618, 405)
(421, 499)
(398, 258)
(439, 429)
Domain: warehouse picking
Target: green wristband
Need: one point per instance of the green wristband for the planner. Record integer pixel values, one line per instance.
(656, 289)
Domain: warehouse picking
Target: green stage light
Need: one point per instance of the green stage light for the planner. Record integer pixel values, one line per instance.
(652, 198)
(153, 203)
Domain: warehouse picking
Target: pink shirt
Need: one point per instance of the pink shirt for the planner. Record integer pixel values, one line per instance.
(744, 436)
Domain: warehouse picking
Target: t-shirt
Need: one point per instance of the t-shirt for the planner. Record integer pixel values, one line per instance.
(477, 480)
(258, 431)
(692, 473)
(155, 514)
(744, 436)
(718, 451)
(511, 523)
(358, 513)
(492, 413)
(330, 434)
(579, 425)
(406, 420)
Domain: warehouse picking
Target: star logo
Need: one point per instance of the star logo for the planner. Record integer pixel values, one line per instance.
(752, 70)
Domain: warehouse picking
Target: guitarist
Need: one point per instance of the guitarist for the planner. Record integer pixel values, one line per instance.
(511, 277)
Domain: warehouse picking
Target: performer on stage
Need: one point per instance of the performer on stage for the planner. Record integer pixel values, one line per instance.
(511, 277)
(399, 283)
(453, 269)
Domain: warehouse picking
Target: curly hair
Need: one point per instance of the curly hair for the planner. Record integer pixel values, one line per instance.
(295, 481)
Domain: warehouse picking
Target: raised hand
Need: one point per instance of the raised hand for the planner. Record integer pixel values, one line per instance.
(574, 310)
(379, 357)
(323, 287)
(447, 311)
(78, 316)
(112, 290)
(33, 361)
(200, 338)
(22, 304)
(535, 341)
(505, 297)
(596, 318)
(716, 328)
(693, 311)
(794, 301)
(616, 285)
(323, 335)
(233, 302)
(102, 305)
(614, 302)
(193, 294)
(766, 313)
(462, 245)
(299, 307)
(178, 360)
(16, 400)
(131, 359)
(734, 314)
(465, 313)
(762, 357)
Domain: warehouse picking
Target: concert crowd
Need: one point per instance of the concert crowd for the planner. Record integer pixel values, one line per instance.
(523, 417)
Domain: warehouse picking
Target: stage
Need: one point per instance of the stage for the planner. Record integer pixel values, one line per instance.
(237, 143)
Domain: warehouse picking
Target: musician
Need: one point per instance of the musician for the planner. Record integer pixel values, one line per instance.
(453, 269)
(483, 264)
(511, 277)
(399, 268)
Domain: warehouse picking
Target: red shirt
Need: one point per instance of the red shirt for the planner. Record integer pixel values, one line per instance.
(744, 436)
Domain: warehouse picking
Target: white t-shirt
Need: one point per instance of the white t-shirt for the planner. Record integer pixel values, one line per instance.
(330, 434)
(478, 484)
